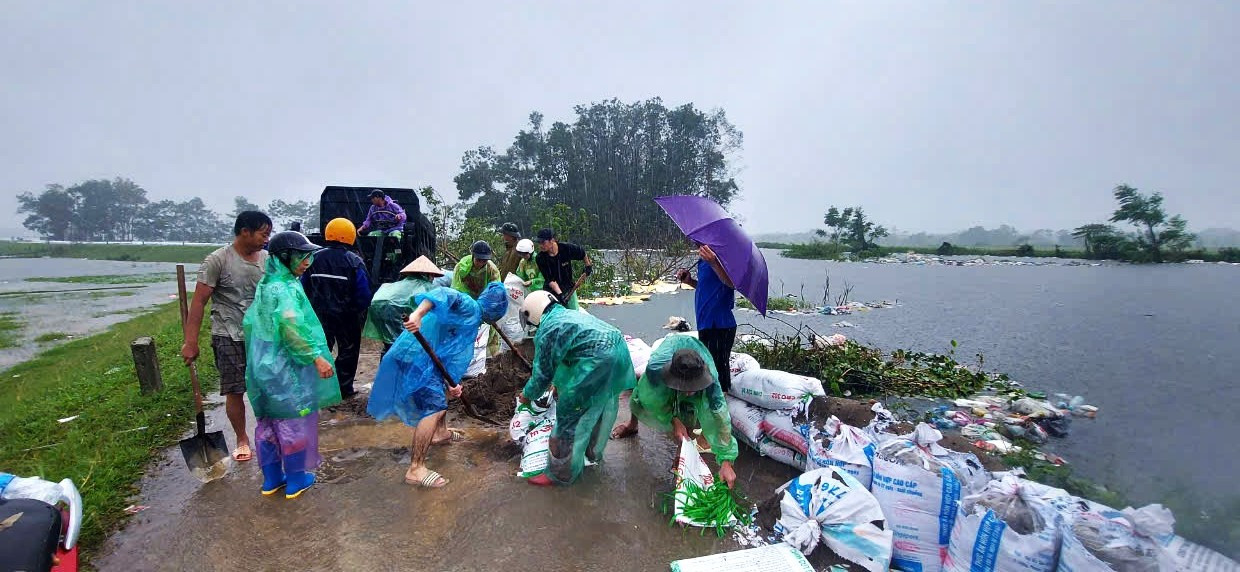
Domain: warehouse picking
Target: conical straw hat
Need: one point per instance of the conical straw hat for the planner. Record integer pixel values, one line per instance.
(422, 265)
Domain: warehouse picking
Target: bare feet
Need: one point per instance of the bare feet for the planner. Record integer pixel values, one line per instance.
(624, 430)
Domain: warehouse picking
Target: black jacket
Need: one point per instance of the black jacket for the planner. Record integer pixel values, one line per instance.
(337, 283)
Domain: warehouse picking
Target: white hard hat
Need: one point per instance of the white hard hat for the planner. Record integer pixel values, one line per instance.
(525, 245)
(535, 305)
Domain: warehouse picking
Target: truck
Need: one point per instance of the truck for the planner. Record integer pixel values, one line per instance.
(384, 255)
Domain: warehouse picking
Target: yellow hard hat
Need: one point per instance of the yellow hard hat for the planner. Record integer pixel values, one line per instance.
(340, 230)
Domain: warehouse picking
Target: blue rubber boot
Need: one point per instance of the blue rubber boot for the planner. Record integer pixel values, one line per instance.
(273, 472)
(298, 481)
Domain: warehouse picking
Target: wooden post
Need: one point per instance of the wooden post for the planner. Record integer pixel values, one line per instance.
(147, 365)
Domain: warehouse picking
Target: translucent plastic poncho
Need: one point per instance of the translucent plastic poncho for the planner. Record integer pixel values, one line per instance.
(493, 302)
(393, 301)
(588, 362)
(283, 337)
(656, 404)
(408, 386)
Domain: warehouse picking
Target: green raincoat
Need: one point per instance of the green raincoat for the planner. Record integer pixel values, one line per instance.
(588, 362)
(527, 270)
(655, 404)
(384, 319)
(283, 337)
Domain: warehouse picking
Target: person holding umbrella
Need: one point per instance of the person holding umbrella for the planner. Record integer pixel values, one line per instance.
(289, 371)
(555, 261)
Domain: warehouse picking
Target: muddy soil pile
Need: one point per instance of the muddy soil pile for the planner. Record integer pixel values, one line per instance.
(494, 393)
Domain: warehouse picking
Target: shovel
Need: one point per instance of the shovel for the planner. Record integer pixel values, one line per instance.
(511, 345)
(206, 454)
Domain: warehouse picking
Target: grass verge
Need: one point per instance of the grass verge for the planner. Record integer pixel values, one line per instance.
(10, 324)
(51, 337)
(108, 279)
(94, 378)
(128, 252)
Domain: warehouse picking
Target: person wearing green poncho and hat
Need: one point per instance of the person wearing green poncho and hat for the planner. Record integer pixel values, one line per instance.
(289, 369)
(393, 301)
(680, 392)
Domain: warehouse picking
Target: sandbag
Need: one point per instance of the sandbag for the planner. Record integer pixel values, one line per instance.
(536, 451)
(1004, 527)
(524, 416)
(773, 389)
(843, 446)
(746, 421)
(640, 352)
(510, 324)
(917, 484)
(740, 363)
(769, 448)
(779, 426)
(828, 506)
(478, 364)
(691, 467)
(1197, 558)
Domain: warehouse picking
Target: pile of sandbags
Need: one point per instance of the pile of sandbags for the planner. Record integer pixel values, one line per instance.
(762, 403)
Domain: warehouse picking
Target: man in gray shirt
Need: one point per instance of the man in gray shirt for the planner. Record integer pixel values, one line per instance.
(228, 278)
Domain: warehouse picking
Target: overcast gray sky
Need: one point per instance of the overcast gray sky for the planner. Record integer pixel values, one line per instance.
(933, 115)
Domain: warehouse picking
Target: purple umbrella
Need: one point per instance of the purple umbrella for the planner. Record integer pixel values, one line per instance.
(704, 221)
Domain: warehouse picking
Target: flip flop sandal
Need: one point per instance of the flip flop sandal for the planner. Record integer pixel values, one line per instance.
(457, 436)
(240, 456)
(429, 481)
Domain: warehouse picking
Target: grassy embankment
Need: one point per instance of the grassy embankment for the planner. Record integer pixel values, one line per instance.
(117, 432)
(126, 252)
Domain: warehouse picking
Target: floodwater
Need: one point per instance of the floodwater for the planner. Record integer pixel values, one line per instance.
(1155, 347)
(363, 517)
(75, 309)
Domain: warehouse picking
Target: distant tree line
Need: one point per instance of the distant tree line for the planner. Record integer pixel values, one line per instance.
(1158, 236)
(118, 210)
(610, 161)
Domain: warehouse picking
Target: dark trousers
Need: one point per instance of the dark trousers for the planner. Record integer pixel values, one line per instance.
(346, 332)
(719, 342)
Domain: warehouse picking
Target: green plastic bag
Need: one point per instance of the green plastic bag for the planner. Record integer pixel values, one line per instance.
(393, 301)
(283, 337)
(655, 404)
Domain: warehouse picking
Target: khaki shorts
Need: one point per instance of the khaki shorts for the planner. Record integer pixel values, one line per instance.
(230, 361)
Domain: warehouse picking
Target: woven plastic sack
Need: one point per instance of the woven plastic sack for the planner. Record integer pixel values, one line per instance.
(283, 337)
(828, 506)
(408, 386)
(773, 389)
(746, 421)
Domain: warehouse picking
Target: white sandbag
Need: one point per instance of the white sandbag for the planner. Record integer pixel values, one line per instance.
(773, 389)
(691, 468)
(771, 558)
(746, 421)
(918, 483)
(1189, 557)
(778, 425)
(524, 416)
(536, 452)
(510, 324)
(1073, 556)
(1004, 527)
(639, 352)
(848, 448)
(1118, 540)
(769, 448)
(828, 506)
(478, 365)
(740, 363)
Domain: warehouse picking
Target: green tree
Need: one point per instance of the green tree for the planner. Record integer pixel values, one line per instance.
(1093, 234)
(1155, 230)
(49, 213)
(194, 222)
(242, 204)
(614, 158)
(852, 227)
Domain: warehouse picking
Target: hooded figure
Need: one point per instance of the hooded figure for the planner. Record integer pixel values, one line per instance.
(289, 369)
(395, 300)
(588, 361)
(339, 290)
(680, 392)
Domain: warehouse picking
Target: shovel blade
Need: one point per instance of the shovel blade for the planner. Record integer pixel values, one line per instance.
(206, 455)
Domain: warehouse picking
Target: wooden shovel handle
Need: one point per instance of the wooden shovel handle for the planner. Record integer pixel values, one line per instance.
(511, 345)
(193, 370)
